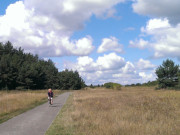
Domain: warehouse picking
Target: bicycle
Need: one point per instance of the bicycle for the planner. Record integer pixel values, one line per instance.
(50, 96)
(50, 100)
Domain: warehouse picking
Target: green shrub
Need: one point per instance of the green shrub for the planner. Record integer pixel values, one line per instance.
(112, 85)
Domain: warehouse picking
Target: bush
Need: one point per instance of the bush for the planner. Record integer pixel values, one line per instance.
(114, 86)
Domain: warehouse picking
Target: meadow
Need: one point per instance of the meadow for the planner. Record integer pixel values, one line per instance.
(13, 103)
(130, 111)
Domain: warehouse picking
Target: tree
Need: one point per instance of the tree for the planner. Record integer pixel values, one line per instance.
(178, 85)
(167, 74)
(70, 80)
(19, 70)
(91, 86)
(51, 73)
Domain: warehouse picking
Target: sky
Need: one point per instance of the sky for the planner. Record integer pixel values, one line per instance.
(121, 41)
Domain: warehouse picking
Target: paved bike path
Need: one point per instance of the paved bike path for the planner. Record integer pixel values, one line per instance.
(35, 121)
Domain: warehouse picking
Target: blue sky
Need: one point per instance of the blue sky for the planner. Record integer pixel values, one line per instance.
(121, 41)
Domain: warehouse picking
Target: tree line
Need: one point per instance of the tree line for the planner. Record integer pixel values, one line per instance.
(19, 70)
(149, 84)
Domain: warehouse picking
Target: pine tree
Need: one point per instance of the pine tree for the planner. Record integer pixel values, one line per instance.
(167, 74)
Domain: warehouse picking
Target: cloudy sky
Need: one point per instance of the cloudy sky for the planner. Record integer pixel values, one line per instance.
(121, 41)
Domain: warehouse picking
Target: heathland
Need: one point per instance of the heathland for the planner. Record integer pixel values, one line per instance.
(129, 111)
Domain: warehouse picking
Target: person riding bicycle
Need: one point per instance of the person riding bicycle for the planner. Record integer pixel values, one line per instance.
(50, 95)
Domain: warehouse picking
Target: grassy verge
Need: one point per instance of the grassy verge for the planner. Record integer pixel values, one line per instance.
(131, 111)
(61, 125)
(13, 103)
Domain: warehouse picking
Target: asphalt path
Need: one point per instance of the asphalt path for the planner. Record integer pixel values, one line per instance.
(35, 121)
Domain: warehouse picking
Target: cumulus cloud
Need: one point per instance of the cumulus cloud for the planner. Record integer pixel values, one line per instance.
(141, 43)
(100, 70)
(39, 34)
(147, 77)
(159, 9)
(103, 63)
(73, 13)
(156, 24)
(145, 65)
(165, 38)
(110, 44)
(129, 68)
(112, 68)
(46, 30)
(111, 61)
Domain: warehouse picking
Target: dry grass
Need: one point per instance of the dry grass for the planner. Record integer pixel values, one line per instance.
(13, 103)
(132, 111)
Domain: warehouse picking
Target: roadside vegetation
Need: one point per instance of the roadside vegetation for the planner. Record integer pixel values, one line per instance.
(131, 111)
(13, 103)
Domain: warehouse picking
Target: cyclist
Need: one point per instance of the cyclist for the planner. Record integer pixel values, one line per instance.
(50, 96)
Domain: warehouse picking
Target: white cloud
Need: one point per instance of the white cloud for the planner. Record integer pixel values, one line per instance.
(85, 64)
(39, 34)
(146, 77)
(145, 65)
(77, 11)
(112, 68)
(103, 63)
(110, 44)
(141, 43)
(129, 68)
(111, 61)
(159, 8)
(77, 47)
(140, 72)
(10, 21)
(165, 38)
(98, 71)
(155, 25)
(85, 61)
(46, 27)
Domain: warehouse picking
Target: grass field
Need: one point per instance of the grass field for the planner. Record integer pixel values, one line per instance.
(13, 103)
(131, 111)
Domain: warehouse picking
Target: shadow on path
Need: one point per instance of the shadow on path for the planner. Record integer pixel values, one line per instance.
(55, 105)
